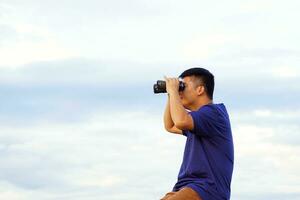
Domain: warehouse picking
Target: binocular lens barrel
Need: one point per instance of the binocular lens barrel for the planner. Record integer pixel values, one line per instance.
(160, 86)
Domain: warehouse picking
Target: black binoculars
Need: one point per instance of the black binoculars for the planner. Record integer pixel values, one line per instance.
(160, 86)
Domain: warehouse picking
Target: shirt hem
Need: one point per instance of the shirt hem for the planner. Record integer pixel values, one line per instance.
(201, 193)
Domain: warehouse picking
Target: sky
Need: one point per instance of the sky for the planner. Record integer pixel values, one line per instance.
(78, 116)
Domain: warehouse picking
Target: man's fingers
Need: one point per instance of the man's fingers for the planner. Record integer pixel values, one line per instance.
(166, 78)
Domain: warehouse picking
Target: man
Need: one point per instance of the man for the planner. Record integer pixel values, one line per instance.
(207, 165)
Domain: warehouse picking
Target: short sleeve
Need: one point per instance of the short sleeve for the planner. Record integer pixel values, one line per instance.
(184, 132)
(204, 122)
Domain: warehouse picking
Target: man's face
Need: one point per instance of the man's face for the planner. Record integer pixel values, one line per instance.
(189, 95)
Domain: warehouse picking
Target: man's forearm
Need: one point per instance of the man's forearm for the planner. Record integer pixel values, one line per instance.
(178, 112)
(168, 122)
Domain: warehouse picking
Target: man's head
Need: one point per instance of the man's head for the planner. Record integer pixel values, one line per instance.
(199, 86)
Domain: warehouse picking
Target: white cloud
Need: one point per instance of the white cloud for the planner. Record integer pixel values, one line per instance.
(204, 46)
(151, 32)
(9, 191)
(32, 44)
(266, 115)
(257, 155)
(28, 52)
(286, 72)
(109, 150)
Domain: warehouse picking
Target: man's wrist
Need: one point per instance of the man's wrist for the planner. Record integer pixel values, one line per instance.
(172, 92)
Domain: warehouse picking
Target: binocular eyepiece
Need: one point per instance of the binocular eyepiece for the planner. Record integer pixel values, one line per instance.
(160, 86)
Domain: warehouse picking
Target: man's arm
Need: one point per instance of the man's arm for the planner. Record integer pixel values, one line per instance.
(168, 122)
(180, 116)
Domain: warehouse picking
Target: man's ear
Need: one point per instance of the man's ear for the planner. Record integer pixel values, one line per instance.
(200, 89)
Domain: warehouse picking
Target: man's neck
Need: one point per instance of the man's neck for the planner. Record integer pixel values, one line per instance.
(199, 104)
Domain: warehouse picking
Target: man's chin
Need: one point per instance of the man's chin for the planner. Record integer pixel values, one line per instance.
(186, 106)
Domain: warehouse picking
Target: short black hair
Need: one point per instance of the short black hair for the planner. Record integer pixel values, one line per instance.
(204, 76)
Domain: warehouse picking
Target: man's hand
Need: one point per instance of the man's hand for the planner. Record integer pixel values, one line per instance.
(172, 85)
(180, 117)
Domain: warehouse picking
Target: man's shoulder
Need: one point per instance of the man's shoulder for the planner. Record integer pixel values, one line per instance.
(212, 107)
(210, 110)
(213, 111)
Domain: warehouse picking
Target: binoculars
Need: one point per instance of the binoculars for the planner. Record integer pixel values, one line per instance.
(160, 86)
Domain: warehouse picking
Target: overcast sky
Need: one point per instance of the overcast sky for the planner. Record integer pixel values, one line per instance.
(78, 117)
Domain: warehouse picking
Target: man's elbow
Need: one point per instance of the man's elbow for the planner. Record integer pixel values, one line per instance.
(168, 127)
(180, 125)
(185, 125)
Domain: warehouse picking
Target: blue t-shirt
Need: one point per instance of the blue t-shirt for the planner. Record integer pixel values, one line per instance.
(207, 164)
